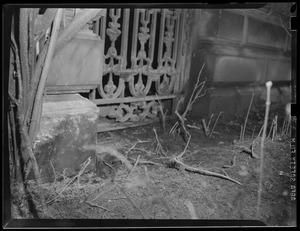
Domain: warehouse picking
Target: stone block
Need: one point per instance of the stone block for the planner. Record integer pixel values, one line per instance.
(68, 126)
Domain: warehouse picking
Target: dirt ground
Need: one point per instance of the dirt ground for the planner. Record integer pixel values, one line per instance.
(158, 189)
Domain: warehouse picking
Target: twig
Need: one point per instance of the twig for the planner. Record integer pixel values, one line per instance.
(54, 173)
(207, 128)
(186, 134)
(132, 202)
(185, 148)
(159, 148)
(134, 166)
(133, 146)
(204, 172)
(95, 205)
(194, 96)
(274, 129)
(212, 130)
(241, 132)
(144, 161)
(193, 126)
(77, 176)
(243, 135)
(268, 102)
(262, 127)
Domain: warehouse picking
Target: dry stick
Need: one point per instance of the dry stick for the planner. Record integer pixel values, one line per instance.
(38, 102)
(207, 128)
(193, 126)
(144, 161)
(187, 144)
(262, 127)
(134, 166)
(271, 128)
(182, 125)
(158, 146)
(274, 129)
(212, 130)
(241, 132)
(132, 202)
(194, 96)
(243, 135)
(204, 172)
(268, 102)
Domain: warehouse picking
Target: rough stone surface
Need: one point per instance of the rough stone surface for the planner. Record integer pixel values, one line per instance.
(68, 126)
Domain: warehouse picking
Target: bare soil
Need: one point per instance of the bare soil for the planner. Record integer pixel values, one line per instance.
(164, 191)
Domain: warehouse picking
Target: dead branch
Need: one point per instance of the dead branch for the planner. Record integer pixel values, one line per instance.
(159, 148)
(194, 96)
(203, 171)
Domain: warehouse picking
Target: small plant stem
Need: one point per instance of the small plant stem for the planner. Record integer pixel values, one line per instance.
(268, 102)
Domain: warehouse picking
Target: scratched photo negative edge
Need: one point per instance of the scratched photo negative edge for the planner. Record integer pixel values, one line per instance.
(8, 222)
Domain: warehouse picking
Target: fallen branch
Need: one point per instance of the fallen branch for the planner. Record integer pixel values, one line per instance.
(203, 171)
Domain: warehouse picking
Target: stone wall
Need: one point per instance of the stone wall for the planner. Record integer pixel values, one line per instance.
(68, 126)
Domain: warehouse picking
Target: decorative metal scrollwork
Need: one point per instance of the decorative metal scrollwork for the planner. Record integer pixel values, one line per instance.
(152, 40)
(134, 111)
